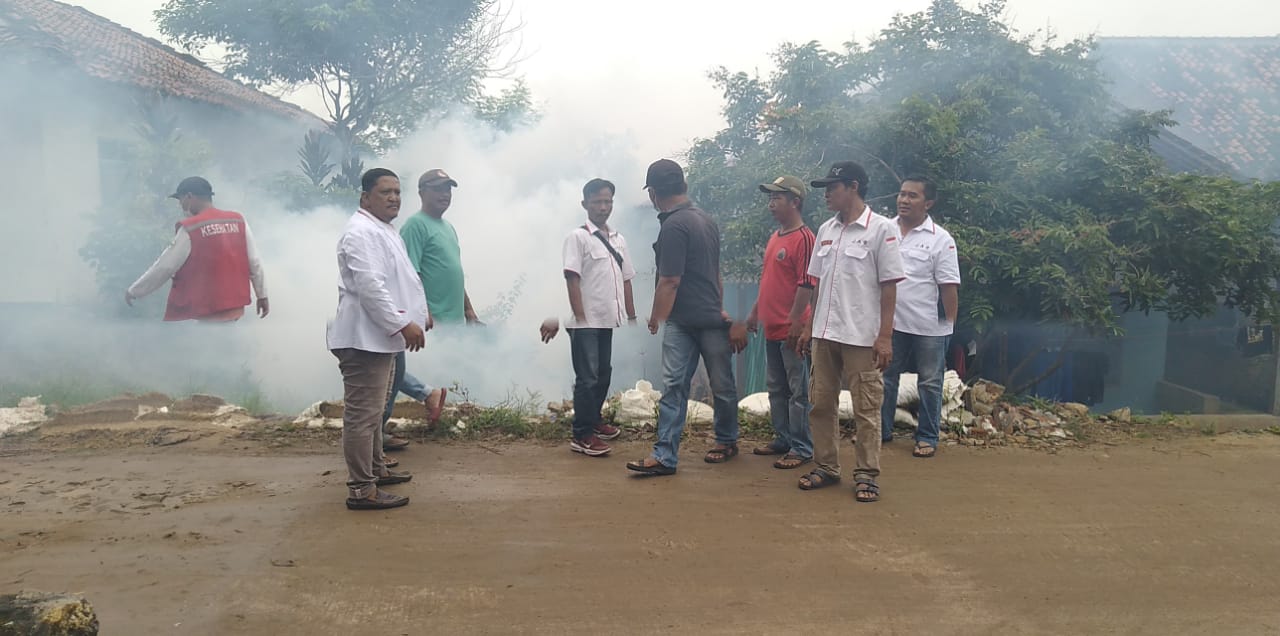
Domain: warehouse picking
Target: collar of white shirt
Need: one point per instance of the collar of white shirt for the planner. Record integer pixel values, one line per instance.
(372, 217)
(927, 226)
(864, 220)
(592, 228)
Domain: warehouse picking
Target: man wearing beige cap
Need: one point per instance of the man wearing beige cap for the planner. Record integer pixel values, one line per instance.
(785, 271)
(433, 247)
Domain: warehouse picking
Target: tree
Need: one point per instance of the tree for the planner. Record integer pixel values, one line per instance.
(381, 67)
(132, 223)
(1062, 211)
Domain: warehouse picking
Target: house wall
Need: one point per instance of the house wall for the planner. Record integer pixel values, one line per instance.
(56, 132)
(1207, 357)
(49, 187)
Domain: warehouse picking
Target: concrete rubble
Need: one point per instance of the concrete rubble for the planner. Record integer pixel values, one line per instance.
(27, 416)
(972, 415)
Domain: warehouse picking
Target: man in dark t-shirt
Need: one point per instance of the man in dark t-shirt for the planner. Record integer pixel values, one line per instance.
(689, 301)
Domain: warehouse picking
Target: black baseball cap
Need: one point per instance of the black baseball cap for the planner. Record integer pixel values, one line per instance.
(842, 171)
(663, 172)
(193, 185)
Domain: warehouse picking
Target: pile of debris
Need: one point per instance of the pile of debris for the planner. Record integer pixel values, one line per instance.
(24, 418)
(972, 415)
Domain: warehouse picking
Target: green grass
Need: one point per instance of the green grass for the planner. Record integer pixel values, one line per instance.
(64, 391)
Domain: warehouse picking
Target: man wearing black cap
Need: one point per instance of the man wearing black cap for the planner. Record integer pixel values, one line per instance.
(211, 259)
(689, 300)
(857, 266)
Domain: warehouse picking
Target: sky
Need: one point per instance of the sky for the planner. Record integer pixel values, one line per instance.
(610, 57)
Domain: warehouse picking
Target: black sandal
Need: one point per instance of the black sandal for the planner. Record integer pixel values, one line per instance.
(866, 492)
(818, 479)
(721, 455)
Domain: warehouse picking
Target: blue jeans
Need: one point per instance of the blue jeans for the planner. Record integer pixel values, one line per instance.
(592, 350)
(403, 382)
(927, 357)
(681, 348)
(787, 379)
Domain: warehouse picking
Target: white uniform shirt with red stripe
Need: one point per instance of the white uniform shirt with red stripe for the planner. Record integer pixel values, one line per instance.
(850, 262)
(929, 260)
(601, 277)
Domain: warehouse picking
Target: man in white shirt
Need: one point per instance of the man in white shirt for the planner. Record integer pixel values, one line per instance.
(597, 273)
(920, 335)
(858, 267)
(382, 311)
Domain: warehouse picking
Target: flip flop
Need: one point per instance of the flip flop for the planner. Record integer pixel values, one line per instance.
(924, 451)
(433, 412)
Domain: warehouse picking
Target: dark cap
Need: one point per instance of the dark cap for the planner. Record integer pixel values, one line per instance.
(785, 183)
(664, 172)
(842, 171)
(193, 185)
(435, 177)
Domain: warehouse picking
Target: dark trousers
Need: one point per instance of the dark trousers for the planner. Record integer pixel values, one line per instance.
(592, 350)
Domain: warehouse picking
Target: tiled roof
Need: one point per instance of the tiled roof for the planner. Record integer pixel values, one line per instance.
(1224, 92)
(105, 50)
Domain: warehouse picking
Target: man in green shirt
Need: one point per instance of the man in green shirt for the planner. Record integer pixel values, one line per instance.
(432, 244)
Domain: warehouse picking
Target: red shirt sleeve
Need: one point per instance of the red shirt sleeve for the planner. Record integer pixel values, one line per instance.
(801, 256)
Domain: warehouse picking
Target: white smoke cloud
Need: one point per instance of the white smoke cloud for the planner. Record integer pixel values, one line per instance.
(518, 197)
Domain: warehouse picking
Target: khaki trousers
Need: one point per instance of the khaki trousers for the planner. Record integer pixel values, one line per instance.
(836, 366)
(366, 382)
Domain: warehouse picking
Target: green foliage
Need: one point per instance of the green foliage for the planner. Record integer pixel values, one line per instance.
(381, 67)
(131, 229)
(508, 110)
(1061, 211)
(313, 158)
(299, 194)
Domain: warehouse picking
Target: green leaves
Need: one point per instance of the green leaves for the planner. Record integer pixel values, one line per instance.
(1060, 208)
(381, 67)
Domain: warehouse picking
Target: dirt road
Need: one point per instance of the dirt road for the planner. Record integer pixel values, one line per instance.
(1163, 537)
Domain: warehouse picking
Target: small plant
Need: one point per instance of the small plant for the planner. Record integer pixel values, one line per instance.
(754, 426)
(1210, 429)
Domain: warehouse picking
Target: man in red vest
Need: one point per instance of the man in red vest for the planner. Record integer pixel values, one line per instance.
(212, 261)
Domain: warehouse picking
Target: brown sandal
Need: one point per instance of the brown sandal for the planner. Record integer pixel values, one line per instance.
(791, 460)
(721, 455)
(771, 449)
